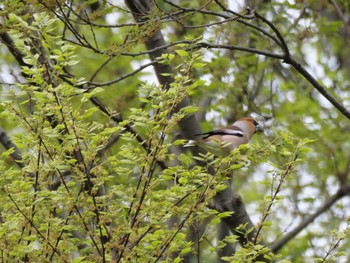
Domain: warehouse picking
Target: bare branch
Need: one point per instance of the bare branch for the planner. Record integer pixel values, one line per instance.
(290, 60)
(343, 191)
(93, 85)
(317, 86)
(239, 48)
(276, 31)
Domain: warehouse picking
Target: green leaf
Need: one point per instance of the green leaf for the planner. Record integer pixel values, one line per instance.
(198, 65)
(182, 53)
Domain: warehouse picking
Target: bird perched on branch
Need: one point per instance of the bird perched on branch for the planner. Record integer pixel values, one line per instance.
(227, 138)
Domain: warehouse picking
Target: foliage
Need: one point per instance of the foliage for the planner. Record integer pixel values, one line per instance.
(93, 124)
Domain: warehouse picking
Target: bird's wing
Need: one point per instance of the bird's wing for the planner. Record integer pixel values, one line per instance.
(234, 131)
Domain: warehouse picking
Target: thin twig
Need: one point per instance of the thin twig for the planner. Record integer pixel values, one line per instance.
(336, 244)
(41, 235)
(345, 19)
(283, 178)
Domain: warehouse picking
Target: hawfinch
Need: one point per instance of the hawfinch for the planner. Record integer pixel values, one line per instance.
(240, 132)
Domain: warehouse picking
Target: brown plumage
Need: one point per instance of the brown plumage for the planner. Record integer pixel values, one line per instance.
(240, 132)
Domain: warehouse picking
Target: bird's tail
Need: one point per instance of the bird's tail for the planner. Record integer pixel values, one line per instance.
(190, 143)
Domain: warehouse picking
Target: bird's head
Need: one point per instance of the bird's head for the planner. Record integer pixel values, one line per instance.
(248, 125)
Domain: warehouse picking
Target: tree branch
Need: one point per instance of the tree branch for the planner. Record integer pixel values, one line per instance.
(287, 58)
(344, 190)
(7, 40)
(8, 144)
(298, 67)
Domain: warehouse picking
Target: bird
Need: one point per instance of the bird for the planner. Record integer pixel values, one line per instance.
(227, 138)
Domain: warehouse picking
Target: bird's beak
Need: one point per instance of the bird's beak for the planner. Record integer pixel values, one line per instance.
(259, 128)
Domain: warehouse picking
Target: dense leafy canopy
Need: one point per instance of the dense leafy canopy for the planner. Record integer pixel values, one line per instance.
(99, 97)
